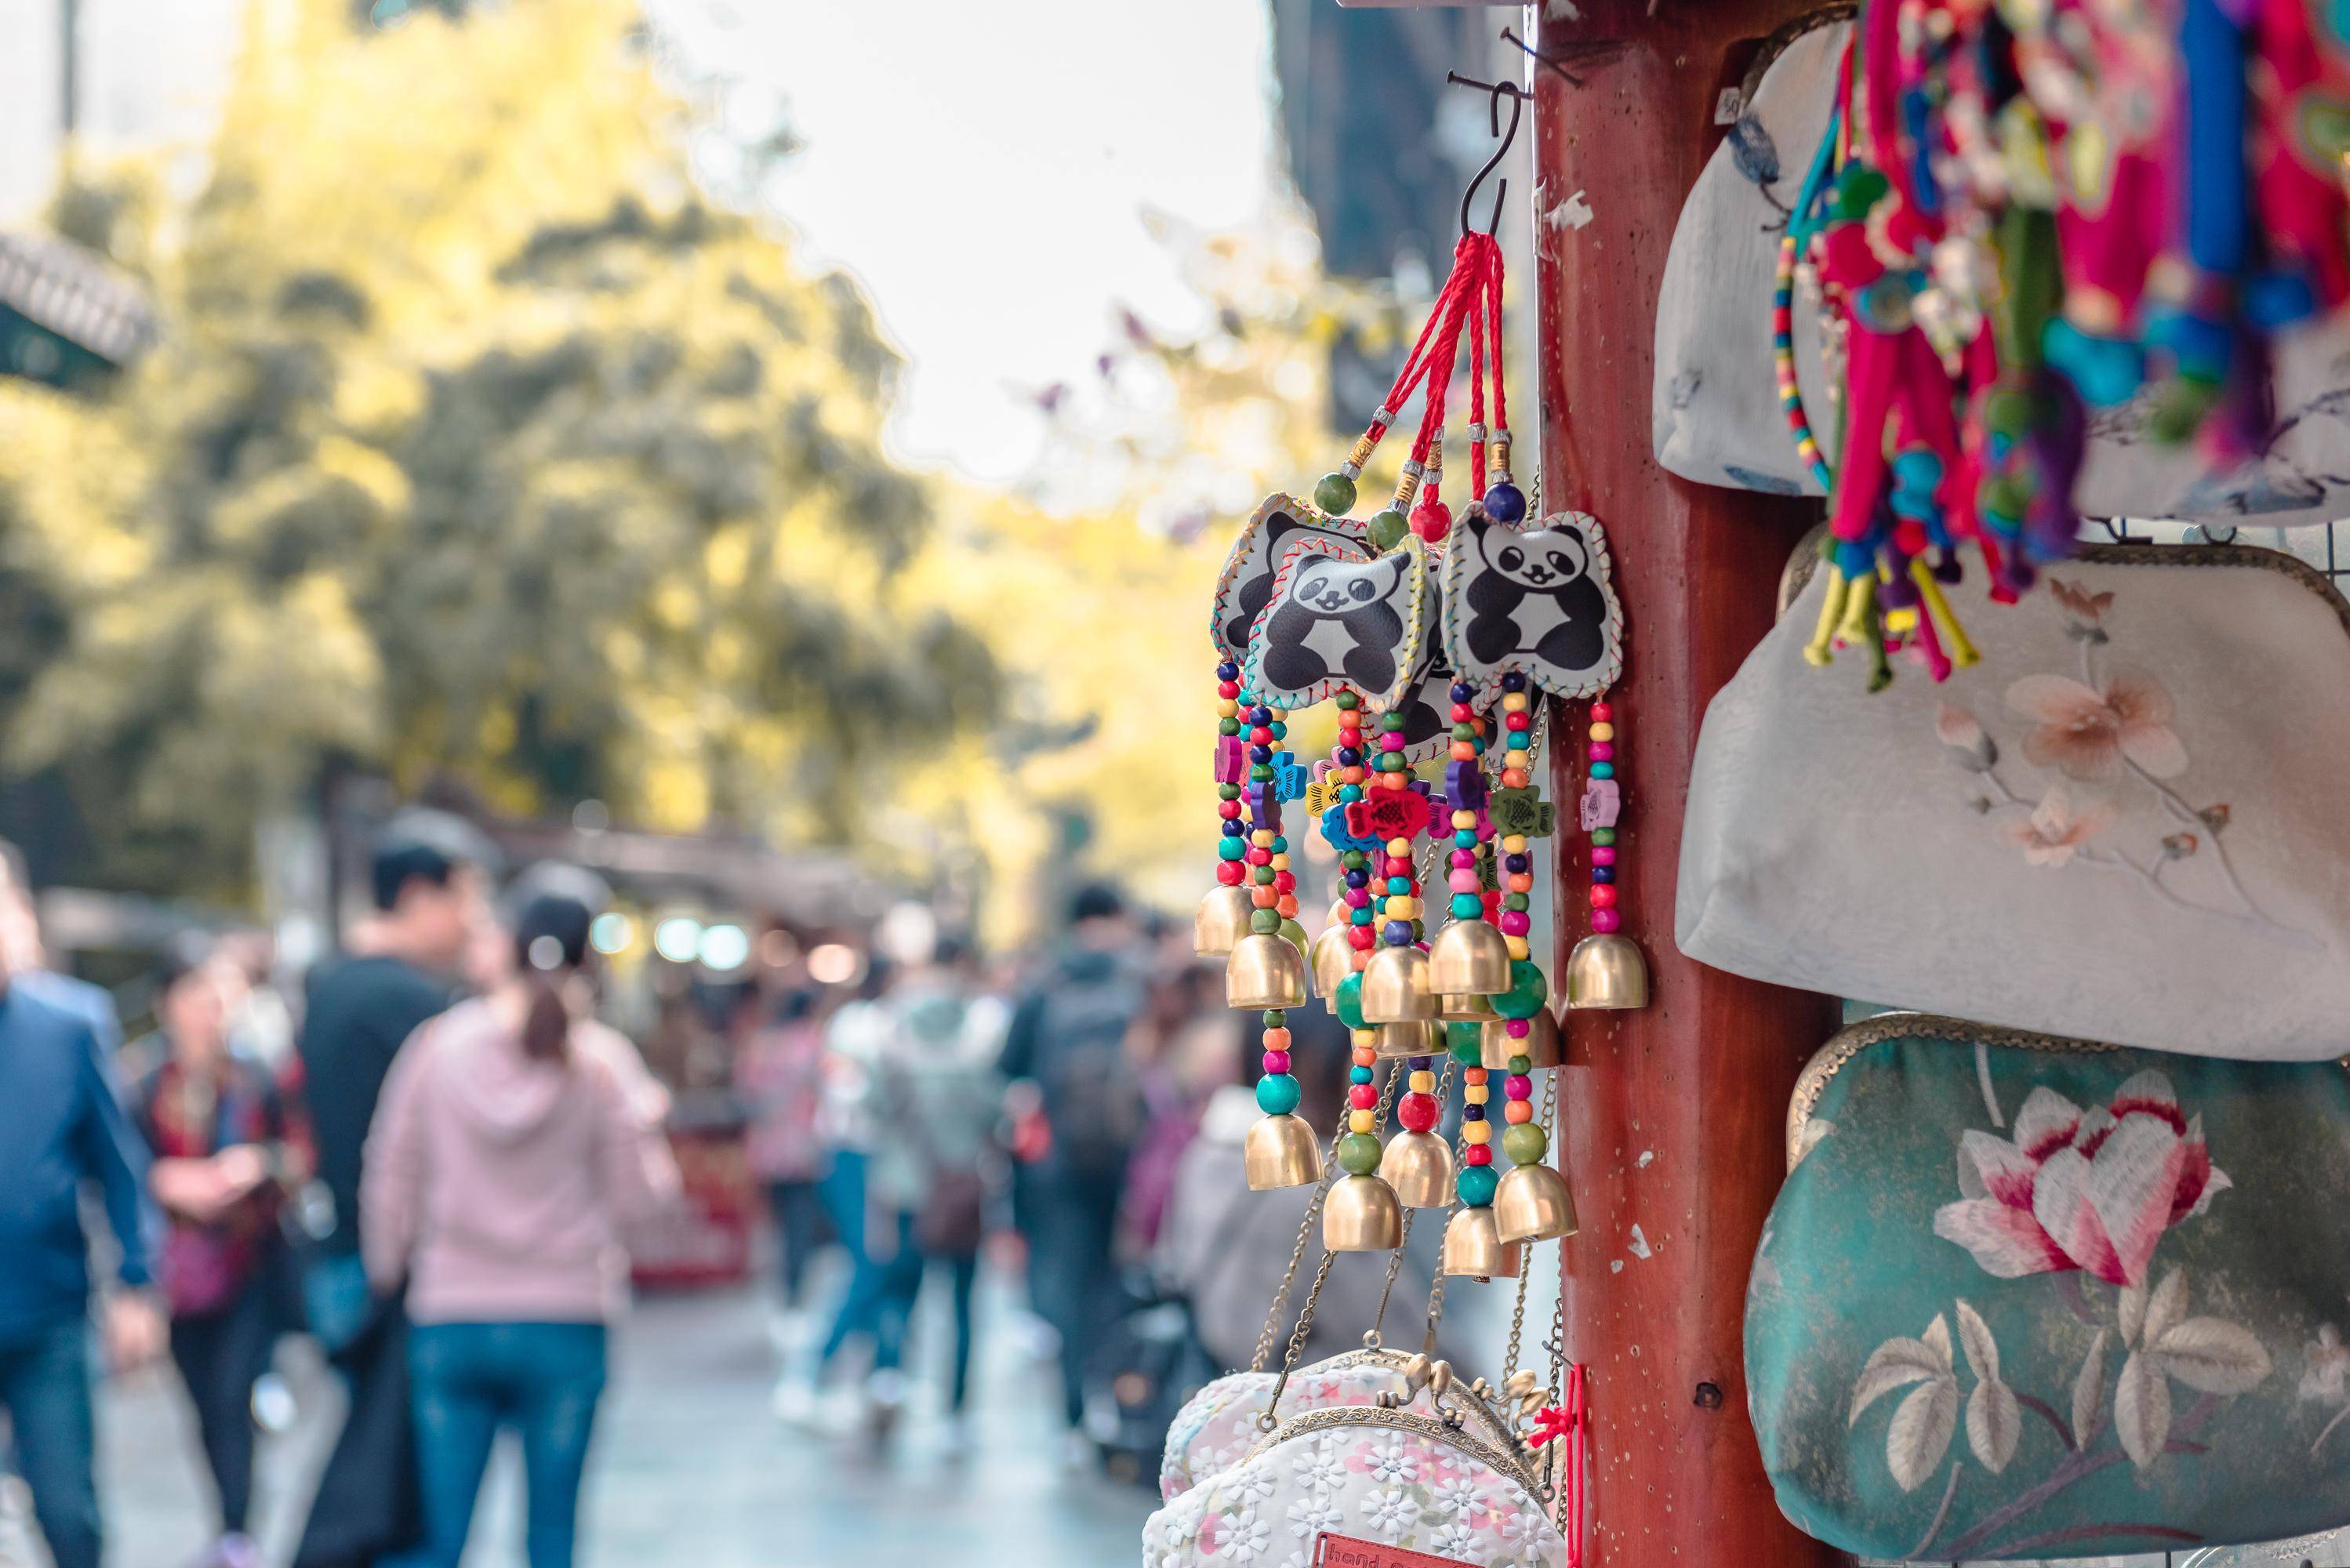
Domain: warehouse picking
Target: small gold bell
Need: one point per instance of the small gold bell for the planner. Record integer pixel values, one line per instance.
(1281, 1151)
(1474, 1248)
(1541, 1047)
(1533, 1204)
(1361, 1215)
(1264, 970)
(1395, 988)
(1331, 959)
(1418, 1166)
(1467, 1008)
(1410, 1040)
(1222, 919)
(1469, 956)
(1605, 970)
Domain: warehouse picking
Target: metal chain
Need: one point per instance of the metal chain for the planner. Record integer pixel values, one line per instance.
(1371, 1340)
(1557, 1347)
(1297, 1256)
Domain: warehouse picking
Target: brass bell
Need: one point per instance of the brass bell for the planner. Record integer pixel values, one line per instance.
(1605, 970)
(1533, 1204)
(1410, 1040)
(1395, 988)
(1361, 1215)
(1264, 972)
(1469, 956)
(1222, 919)
(1541, 1047)
(1474, 1248)
(1418, 1166)
(1281, 1151)
(1468, 1008)
(1330, 960)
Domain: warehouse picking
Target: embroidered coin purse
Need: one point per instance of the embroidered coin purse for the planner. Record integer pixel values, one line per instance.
(1402, 1480)
(2030, 1297)
(2126, 821)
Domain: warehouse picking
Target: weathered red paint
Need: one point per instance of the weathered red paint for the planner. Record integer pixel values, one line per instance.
(1673, 1115)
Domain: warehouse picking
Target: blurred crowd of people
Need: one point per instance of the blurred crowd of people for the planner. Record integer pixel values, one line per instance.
(434, 1162)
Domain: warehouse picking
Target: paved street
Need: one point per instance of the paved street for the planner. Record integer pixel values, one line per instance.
(692, 1469)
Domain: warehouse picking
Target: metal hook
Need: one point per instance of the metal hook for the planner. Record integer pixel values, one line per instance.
(1496, 92)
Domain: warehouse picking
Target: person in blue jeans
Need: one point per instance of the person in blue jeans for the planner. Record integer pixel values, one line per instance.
(62, 1127)
(515, 1142)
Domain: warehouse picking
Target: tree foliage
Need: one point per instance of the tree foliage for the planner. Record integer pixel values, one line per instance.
(482, 442)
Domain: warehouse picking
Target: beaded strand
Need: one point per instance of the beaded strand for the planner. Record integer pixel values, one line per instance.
(1606, 914)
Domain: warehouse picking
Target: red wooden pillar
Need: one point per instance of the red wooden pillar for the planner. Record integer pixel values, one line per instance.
(1672, 1115)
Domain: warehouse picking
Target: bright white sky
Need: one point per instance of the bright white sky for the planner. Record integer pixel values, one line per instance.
(983, 166)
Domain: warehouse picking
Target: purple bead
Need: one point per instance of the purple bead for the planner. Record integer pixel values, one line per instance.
(1358, 878)
(1472, 1113)
(1518, 863)
(1349, 757)
(1421, 1064)
(1397, 933)
(1504, 503)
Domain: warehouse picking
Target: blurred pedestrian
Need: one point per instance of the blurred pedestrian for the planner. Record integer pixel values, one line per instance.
(944, 1079)
(1182, 1045)
(1069, 1037)
(516, 1141)
(62, 1125)
(781, 1074)
(428, 874)
(26, 956)
(225, 1142)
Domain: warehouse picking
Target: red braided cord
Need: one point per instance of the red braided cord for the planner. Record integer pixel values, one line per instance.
(1477, 385)
(1440, 359)
(1571, 1502)
(1493, 305)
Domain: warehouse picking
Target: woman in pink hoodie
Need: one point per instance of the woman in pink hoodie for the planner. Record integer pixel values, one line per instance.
(515, 1142)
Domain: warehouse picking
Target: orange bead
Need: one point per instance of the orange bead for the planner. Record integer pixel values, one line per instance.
(1514, 1113)
(1464, 751)
(1262, 896)
(1514, 778)
(1287, 907)
(1521, 882)
(1275, 1039)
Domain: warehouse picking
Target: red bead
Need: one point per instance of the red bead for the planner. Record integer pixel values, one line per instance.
(1601, 712)
(1228, 689)
(1361, 937)
(1431, 520)
(1520, 719)
(1606, 919)
(1462, 714)
(1603, 895)
(1363, 1096)
(1260, 736)
(1398, 866)
(1228, 809)
(1229, 873)
(1417, 1112)
(1477, 1153)
(1285, 882)
(1260, 856)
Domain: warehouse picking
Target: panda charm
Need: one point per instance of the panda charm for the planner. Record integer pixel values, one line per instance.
(1534, 600)
(1339, 619)
(1280, 526)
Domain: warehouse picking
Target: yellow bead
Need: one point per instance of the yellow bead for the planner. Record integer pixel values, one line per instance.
(1261, 838)
(1603, 732)
(1513, 844)
(1464, 819)
(1279, 862)
(1473, 1094)
(1365, 1038)
(1362, 1121)
(1424, 1083)
(1518, 948)
(1513, 702)
(1476, 1132)
(1399, 847)
(1403, 909)
(1227, 710)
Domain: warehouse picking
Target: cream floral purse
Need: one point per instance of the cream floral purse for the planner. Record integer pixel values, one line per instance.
(2126, 821)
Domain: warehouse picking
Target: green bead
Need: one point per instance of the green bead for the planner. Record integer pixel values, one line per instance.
(1228, 726)
(1264, 922)
(1387, 529)
(1277, 1096)
(1348, 1003)
(1528, 991)
(1603, 835)
(1353, 860)
(1348, 699)
(1525, 1143)
(1294, 934)
(1334, 494)
(1475, 1184)
(1358, 1154)
(1466, 1042)
(1228, 792)
(1276, 1018)
(1514, 901)
(1261, 772)
(1521, 1065)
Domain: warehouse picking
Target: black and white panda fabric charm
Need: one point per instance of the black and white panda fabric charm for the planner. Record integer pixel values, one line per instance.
(1341, 619)
(1535, 600)
(1279, 526)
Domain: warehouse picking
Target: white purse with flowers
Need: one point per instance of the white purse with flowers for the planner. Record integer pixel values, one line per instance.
(1430, 1478)
(2126, 822)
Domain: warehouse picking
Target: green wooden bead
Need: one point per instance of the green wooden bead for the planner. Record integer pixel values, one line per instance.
(1466, 1042)
(1334, 494)
(1525, 1143)
(1387, 529)
(1263, 922)
(1349, 1002)
(1528, 991)
(1358, 1154)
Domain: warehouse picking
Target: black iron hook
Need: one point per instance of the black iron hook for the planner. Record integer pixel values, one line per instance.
(1496, 92)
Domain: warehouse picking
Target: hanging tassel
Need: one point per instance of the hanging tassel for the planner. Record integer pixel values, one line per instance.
(1568, 1423)
(1941, 617)
(1817, 650)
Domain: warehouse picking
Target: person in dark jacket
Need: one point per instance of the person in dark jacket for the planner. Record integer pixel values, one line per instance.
(429, 873)
(62, 1127)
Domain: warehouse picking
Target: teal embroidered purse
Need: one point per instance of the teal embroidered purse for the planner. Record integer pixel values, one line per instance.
(2029, 1297)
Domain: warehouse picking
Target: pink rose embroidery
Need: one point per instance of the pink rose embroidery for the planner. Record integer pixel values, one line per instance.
(2053, 830)
(2075, 1190)
(2087, 733)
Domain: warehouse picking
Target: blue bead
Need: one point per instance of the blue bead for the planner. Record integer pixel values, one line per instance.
(1463, 692)
(1514, 681)
(1603, 770)
(1280, 844)
(1472, 1113)
(1397, 933)
(1349, 757)
(1519, 862)
(1505, 503)
(1260, 754)
(1358, 878)
(1277, 1094)
(1228, 671)
(1232, 828)
(1603, 872)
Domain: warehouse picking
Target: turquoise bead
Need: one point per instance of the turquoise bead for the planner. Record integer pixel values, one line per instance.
(1475, 1184)
(1230, 849)
(1277, 1094)
(1359, 1075)
(1464, 838)
(1399, 886)
(1603, 770)
(1362, 916)
(1467, 906)
(1348, 1002)
(1528, 991)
